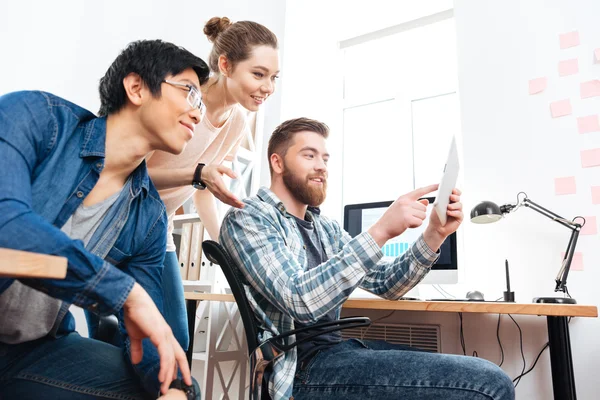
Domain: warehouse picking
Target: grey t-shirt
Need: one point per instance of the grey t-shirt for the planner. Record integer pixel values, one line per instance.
(316, 255)
(85, 220)
(27, 314)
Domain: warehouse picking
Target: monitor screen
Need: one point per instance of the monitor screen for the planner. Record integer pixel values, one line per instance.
(360, 217)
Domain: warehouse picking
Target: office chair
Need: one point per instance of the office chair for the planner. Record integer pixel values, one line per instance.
(108, 328)
(263, 355)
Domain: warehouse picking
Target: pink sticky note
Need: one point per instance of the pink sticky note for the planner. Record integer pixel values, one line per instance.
(588, 124)
(565, 185)
(537, 85)
(590, 89)
(590, 227)
(567, 40)
(595, 194)
(576, 262)
(568, 67)
(597, 55)
(590, 158)
(560, 108)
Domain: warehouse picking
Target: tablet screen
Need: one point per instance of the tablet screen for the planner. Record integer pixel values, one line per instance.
(448, 182)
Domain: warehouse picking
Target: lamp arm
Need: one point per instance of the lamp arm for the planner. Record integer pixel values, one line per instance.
(563, 272)
(549, 214)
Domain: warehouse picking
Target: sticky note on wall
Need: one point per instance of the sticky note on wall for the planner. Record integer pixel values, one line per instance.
(565, 185)
(588, 124)
(576, 262)
(560, 108)
(537, 85)
(590, 227)
(590, 158)
(597, 56)
(595, 194)
(590, 89)
(569, 39)
(568, 67)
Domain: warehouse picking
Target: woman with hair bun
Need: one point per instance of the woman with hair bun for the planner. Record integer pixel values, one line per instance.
(244, 66)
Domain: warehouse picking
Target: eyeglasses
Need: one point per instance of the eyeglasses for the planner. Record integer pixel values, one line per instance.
(194, 97)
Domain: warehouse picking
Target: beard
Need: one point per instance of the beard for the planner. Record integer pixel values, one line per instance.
(301, 189)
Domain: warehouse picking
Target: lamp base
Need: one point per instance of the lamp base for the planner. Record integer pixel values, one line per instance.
(555, 300)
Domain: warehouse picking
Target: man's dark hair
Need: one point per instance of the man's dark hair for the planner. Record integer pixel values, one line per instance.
(153, 61)
(282, 136)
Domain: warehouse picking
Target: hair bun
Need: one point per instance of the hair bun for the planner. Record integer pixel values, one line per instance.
(215, 26)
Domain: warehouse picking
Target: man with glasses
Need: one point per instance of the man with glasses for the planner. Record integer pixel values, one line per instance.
(78, 188)
(194, 97)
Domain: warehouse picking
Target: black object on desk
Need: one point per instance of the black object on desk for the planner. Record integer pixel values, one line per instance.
(508, 295)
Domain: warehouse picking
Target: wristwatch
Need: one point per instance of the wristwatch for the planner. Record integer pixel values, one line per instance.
(197, 182)
(192, 392)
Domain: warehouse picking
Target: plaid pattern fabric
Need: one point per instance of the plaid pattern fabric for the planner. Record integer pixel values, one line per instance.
(264, 240)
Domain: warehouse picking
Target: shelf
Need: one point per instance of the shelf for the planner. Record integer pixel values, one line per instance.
(199, 286)
(179, 220)
(220, 356)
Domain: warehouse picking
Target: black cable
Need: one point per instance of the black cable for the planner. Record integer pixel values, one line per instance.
(499, 342)
(536, 359)
(439, 291)
(518, 379)
(535, 362)
(376, 320)
(445, 291)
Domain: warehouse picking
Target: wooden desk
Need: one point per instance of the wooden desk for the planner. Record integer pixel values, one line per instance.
(24, 264)
(557, 315)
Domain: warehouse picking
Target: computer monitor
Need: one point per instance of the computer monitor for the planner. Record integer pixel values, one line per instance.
(360, 217)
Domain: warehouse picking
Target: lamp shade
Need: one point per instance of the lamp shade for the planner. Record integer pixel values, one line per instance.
(485, 213)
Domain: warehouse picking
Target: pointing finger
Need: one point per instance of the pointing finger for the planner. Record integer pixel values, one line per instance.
(418, 193)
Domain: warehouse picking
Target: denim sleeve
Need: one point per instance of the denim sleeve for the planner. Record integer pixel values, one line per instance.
(146, 268)
(256, 242)
(27, 135)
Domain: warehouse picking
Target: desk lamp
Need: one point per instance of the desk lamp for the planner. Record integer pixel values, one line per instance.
(487, 212)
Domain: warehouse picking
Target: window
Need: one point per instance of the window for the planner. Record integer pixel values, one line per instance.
(400, 110)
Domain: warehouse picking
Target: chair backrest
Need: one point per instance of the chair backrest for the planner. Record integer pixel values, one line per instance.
(218, 255)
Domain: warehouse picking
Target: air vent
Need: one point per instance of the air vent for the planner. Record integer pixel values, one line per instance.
(424, 337)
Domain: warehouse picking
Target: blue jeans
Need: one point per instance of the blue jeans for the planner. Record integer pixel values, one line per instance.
(173, 301)
(356, 369)
(67, 368)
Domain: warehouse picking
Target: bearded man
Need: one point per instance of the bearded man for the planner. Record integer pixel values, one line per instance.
(302, 266)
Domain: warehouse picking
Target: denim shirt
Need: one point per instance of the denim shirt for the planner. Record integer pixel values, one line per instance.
(51, 156)
(264, 240)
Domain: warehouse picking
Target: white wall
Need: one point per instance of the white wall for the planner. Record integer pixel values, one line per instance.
(512, 144)
(312, 82)
(65, 46)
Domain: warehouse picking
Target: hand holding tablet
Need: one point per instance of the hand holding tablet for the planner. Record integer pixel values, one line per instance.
(447, 183)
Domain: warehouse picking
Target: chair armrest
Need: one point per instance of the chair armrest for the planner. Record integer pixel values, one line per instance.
(332, 326)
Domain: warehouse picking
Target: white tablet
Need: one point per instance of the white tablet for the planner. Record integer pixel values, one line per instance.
(448, 183)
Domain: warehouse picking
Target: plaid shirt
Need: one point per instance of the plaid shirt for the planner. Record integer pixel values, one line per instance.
(264, 240)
